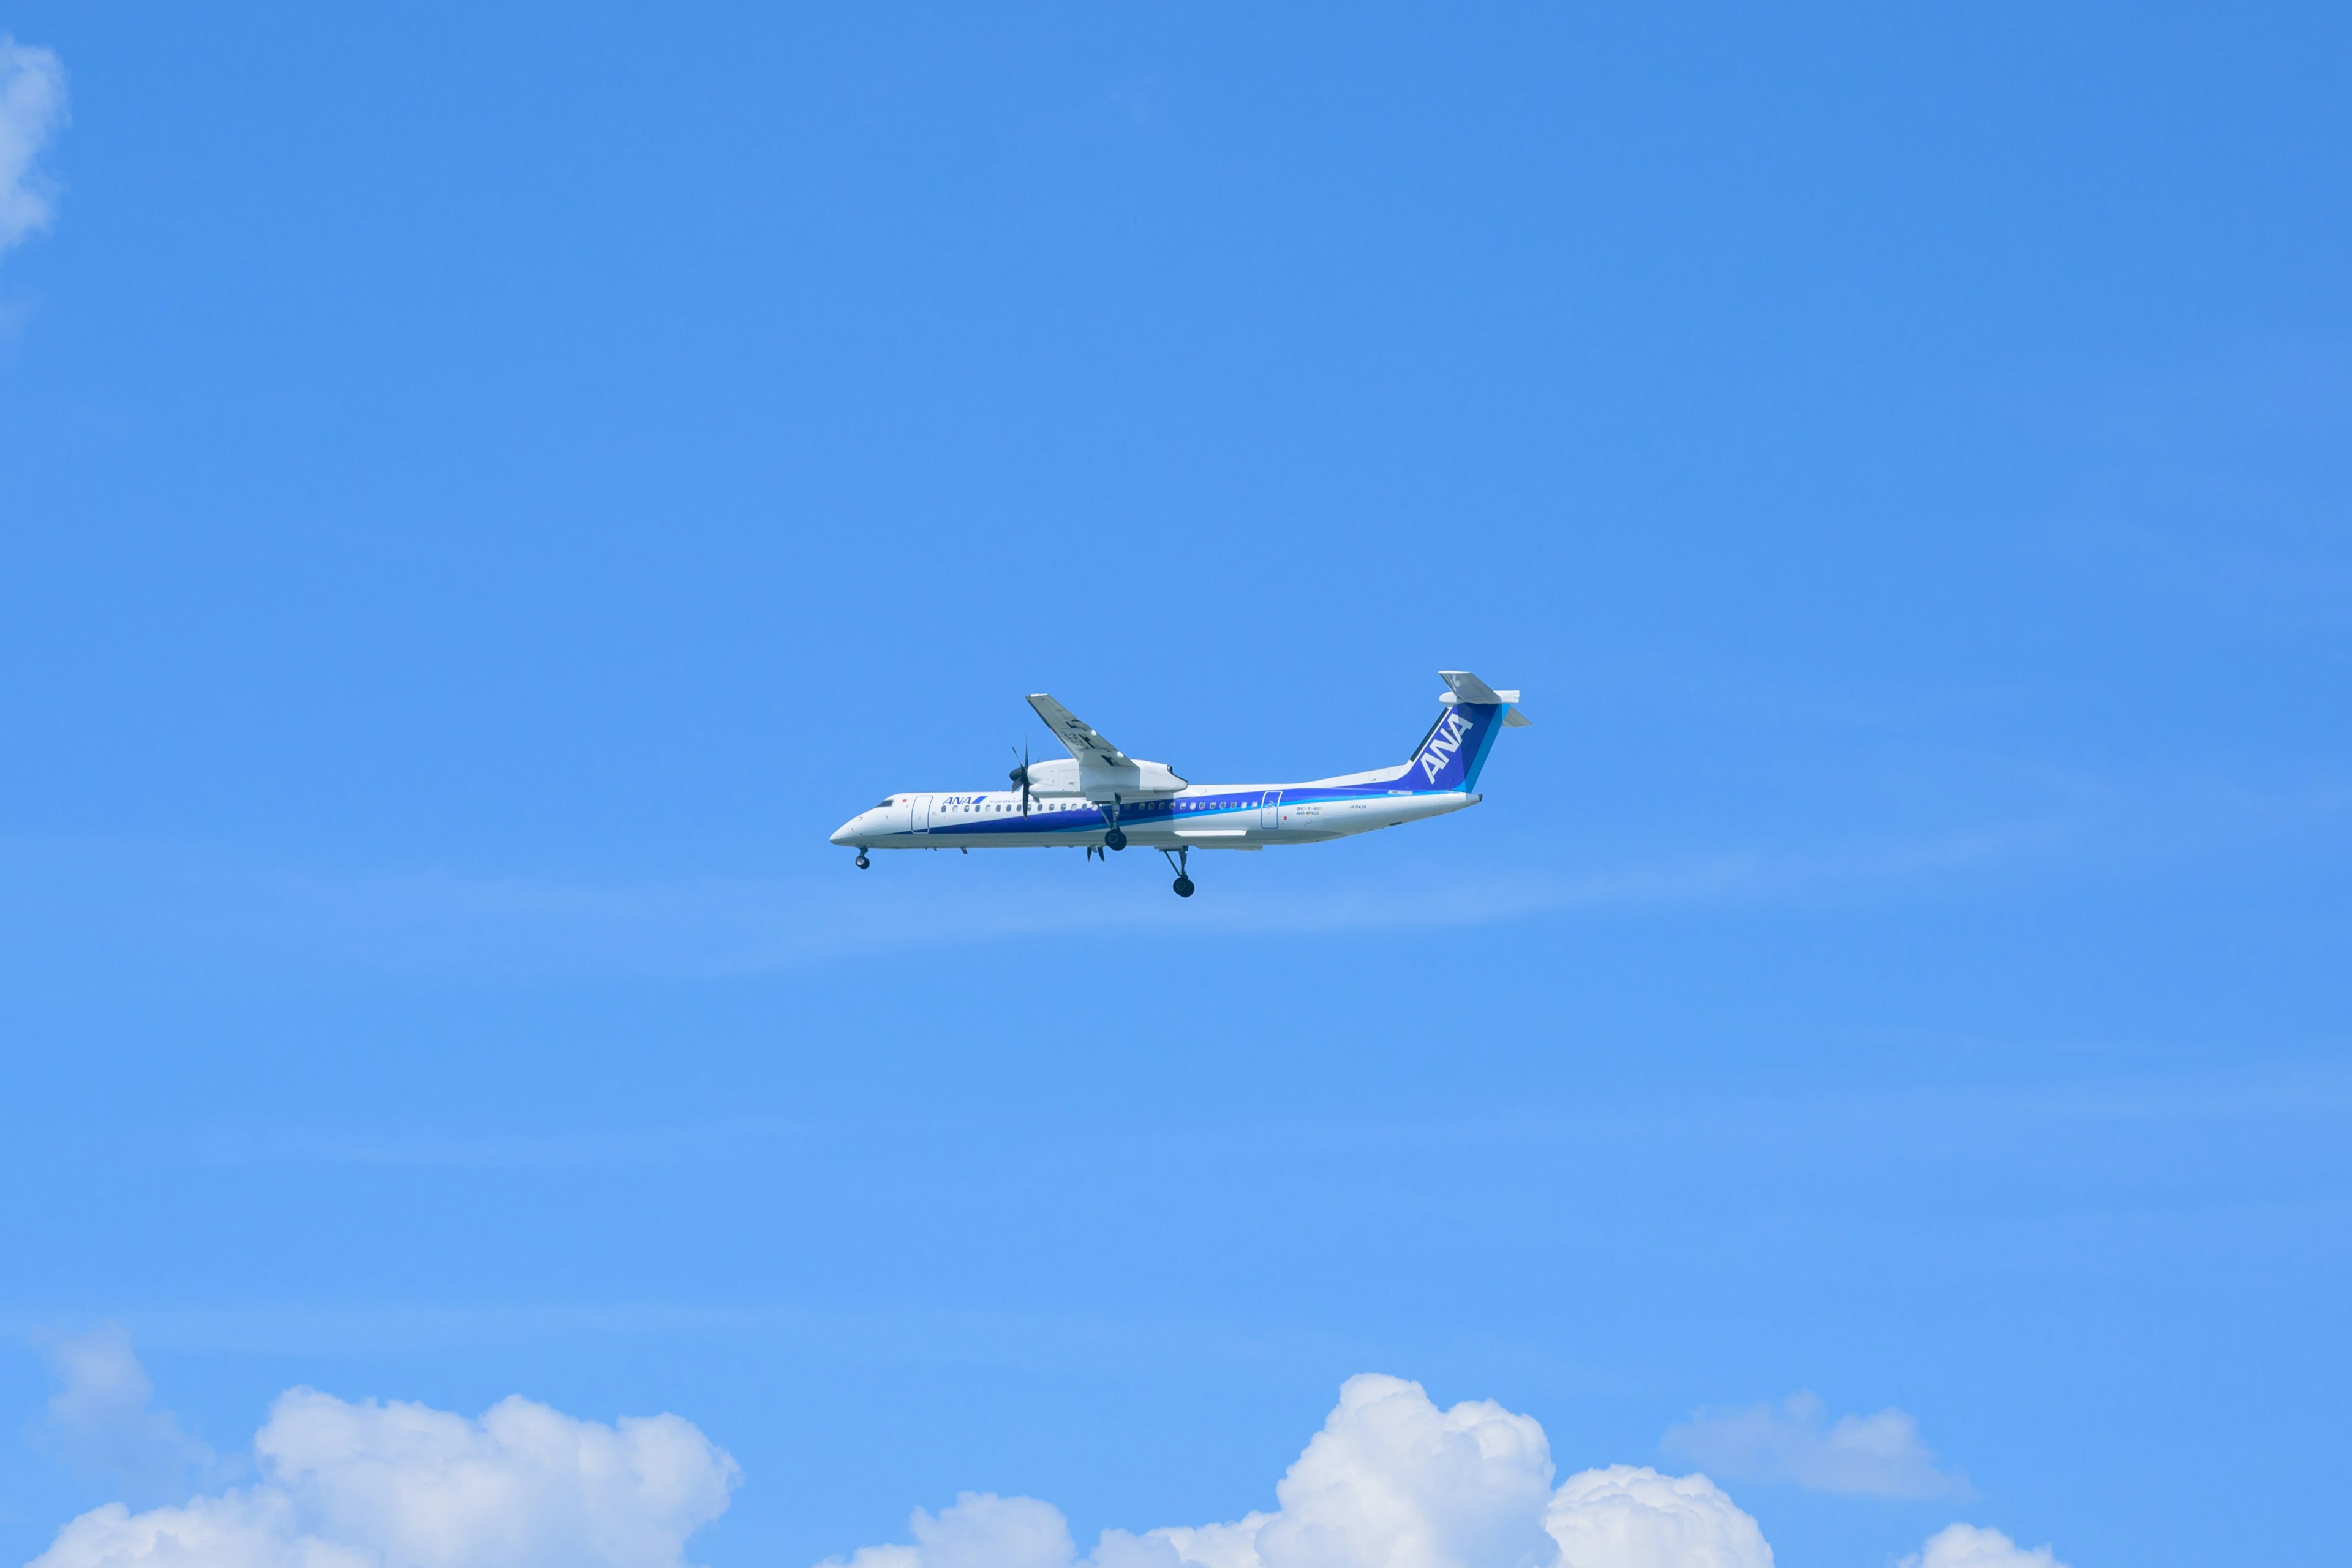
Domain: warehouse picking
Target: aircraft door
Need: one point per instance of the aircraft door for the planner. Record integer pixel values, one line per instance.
(1269, 815)
(920, 821)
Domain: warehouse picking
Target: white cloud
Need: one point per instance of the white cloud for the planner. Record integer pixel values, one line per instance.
(1967, 1546)
(401, 1485)
(101, 1422)
(1875, 1455)
(32, 106)
(980, 1531)
(1390, 1481)
(241, 1529)
(1627, 1518)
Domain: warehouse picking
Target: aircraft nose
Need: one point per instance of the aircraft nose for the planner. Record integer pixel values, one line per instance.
(846, 832)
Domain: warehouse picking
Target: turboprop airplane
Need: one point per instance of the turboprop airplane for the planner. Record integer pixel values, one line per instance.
(1103, 800)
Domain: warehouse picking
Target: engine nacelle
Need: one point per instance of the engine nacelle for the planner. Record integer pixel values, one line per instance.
(1133, 777)
(1100, 781)
(1054, 778)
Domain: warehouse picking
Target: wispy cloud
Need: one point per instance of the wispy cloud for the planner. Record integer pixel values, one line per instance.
(231, 913)
(103, 1423)
(2226, 493)
(32, 108)
(434, 1150)
(1796, 1442)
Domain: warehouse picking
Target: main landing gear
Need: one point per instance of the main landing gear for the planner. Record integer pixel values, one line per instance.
(1117, 837)
(1177, 857)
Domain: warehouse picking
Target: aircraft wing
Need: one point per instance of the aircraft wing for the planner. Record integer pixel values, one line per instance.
(1085, 741)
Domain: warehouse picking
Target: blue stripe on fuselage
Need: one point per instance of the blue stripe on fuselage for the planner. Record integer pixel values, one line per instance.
(1203, 808)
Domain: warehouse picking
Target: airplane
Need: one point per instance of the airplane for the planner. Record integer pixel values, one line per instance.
(1102, 800)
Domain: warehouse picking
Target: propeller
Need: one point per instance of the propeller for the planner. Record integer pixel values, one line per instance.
(1020, 775)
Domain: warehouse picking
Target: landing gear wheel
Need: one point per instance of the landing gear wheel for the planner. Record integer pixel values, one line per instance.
(1183, 887)
(1116, 838)
(862, 861)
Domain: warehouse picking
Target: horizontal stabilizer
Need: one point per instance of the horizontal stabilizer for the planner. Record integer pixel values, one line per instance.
(1463, 686)
(1467, 688)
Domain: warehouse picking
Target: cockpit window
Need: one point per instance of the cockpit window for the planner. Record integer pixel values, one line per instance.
(888, 800)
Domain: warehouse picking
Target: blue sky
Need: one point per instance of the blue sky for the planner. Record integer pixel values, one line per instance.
(483, 494)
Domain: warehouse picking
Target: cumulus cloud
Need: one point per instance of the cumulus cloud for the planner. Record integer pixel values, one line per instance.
(102, 1420)
(32, 107)
(1795, 1441)
(1390, 1481)
(1627, 1518)
(401, 1486)
(1967, 1546)
(979, 1530)
(249, 1529)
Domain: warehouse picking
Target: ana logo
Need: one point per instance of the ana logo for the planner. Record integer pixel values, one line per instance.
(1443, 741)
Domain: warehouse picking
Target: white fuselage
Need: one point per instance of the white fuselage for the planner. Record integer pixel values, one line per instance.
(1198, 816)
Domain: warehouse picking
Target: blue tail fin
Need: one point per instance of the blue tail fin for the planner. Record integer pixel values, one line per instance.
(1451, 754)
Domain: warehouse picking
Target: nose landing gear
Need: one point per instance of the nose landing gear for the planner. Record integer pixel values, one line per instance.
(1177, 857)
(862, 861)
